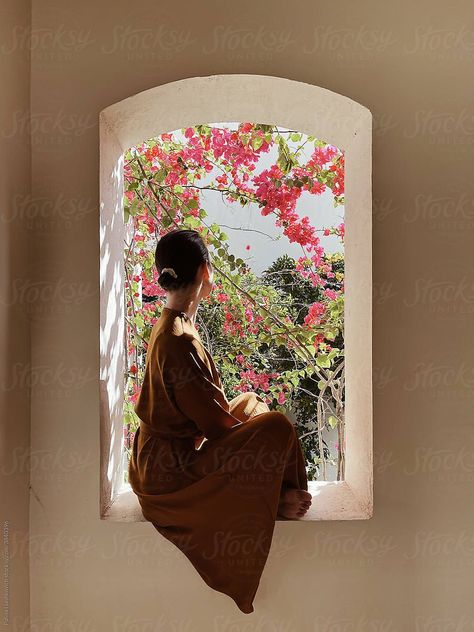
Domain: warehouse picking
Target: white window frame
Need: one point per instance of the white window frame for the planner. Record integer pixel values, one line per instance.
(312, 110)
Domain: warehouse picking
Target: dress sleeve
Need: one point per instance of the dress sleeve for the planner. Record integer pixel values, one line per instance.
(194, 392)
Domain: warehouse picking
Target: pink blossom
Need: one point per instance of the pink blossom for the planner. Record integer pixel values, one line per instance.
(316, 310)
(330, 294)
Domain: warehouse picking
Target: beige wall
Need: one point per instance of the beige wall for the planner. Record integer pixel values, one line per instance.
(15, 368)
(410, 566)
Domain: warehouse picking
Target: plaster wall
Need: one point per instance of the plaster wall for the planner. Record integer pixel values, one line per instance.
(15, 367)
(410, 565)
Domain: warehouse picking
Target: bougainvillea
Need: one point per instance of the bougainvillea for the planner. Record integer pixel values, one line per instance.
(282, 340)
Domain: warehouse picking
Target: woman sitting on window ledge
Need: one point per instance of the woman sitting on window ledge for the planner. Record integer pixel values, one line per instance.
(211, 475)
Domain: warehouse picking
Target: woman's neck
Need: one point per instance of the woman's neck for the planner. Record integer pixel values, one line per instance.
(188, 306)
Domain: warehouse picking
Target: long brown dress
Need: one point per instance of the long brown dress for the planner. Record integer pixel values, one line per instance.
(209, 486)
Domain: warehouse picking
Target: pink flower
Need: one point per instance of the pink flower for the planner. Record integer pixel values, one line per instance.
(330, 294)
(316, 310)
(246, 127)
(281, 397)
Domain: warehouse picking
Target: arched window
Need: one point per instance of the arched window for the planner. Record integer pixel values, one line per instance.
(291, 105)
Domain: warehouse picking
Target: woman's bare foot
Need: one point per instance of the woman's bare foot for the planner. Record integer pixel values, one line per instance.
(294, 503)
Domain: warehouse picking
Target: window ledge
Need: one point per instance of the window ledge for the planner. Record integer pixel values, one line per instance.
(331, 501)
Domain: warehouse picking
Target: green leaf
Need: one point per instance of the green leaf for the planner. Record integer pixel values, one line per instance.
(132, 207)
(192, 221)
(333, 421)
(139, 321)
(322, 360)
(257, 142)
(160, 175)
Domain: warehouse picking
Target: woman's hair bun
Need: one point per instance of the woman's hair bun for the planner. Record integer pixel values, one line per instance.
(178, 255)
(168, 279)
(171, 271)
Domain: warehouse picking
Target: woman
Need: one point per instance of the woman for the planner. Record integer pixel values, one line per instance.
(211, 475)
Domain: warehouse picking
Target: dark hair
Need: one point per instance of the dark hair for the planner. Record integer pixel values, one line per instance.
(183, 251)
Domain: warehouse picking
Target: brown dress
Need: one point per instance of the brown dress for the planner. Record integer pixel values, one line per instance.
(207, 482)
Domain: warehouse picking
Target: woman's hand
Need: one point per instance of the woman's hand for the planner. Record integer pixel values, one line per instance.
(247, 405)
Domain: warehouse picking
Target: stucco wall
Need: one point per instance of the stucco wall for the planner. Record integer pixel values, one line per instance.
(410, 565)
(15, 367)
